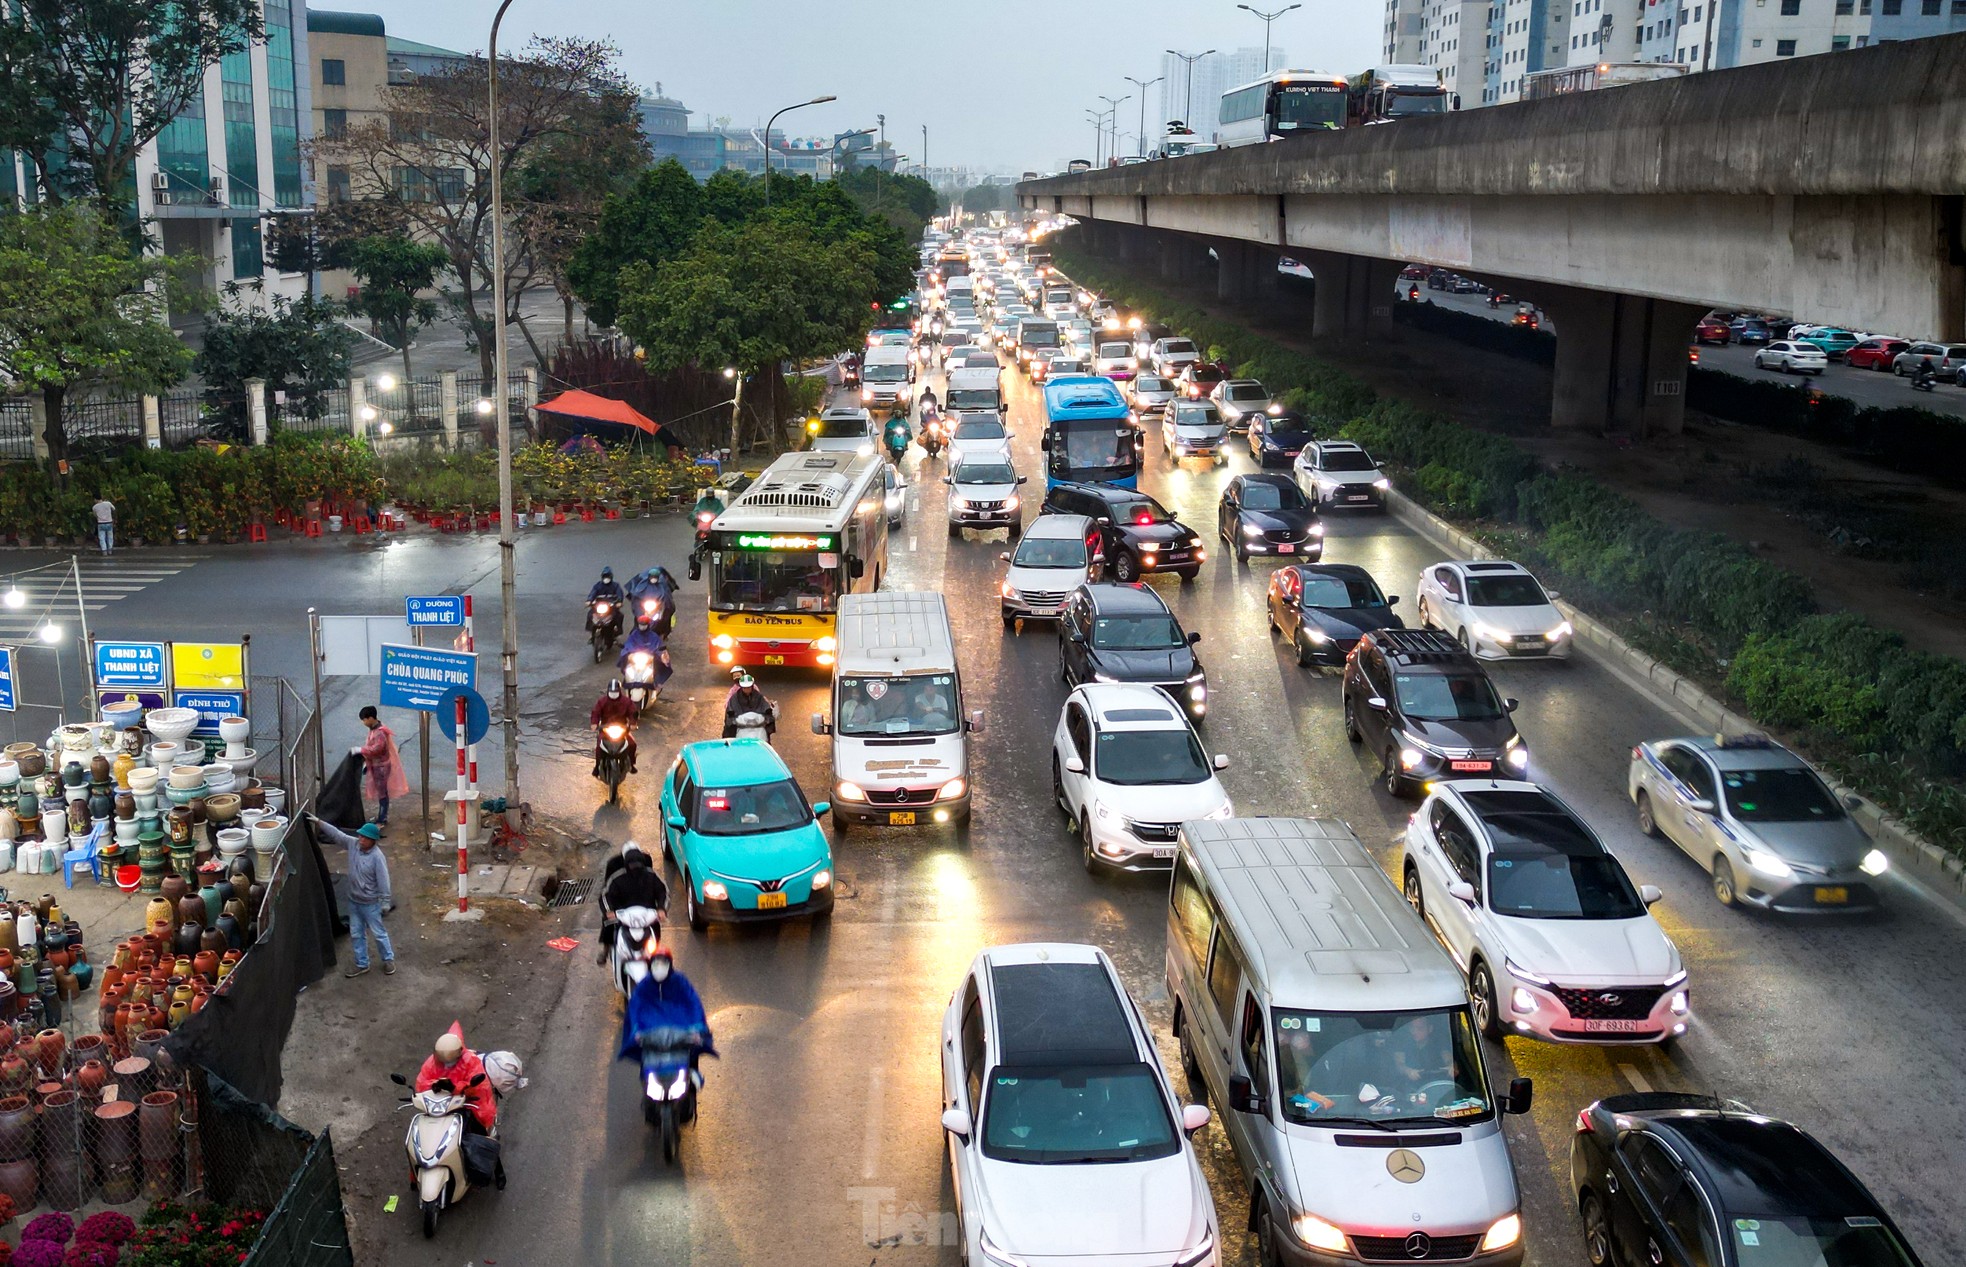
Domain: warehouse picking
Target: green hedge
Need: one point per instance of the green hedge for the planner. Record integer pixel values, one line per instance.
(1892, 718)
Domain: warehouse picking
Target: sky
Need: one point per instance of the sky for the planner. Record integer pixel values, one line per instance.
(1004, 85)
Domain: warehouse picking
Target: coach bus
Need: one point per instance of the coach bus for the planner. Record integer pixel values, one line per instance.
(1089, 433)
(1281, 103)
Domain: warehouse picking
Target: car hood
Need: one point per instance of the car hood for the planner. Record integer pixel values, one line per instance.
(1518, 620)
(1463, 1190)
(1170, 664)
(768, 856)
(1199, 431)
(1279, 520)
(1482, 735)
(1046, 580)
(1147, 1207)
(1176, 533)
(1350, 622)
(1345, 477)
(1165, 803)
(1838, 845)
(1289, 442)
(1591, 951)
(982, 492)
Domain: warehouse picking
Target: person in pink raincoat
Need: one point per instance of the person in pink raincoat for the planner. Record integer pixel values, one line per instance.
(385, 764)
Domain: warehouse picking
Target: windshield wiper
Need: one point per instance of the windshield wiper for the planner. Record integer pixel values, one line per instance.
(1318, 1119)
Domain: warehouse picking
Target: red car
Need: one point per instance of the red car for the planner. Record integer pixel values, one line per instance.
(1874, 354)
(1199, 378)
(1710, 330)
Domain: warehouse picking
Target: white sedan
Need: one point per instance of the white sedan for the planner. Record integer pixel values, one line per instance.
(1239, 399)
(1127, 770)
(1791, 358)
(1495, 609)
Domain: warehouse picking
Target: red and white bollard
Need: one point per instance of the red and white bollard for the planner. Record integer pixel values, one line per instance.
(463, 811)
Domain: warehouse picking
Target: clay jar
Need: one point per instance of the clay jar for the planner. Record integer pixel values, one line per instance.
(52, 1043)
(100, 770)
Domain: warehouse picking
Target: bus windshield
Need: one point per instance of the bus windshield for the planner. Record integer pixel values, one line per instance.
(1096, 446)
(760, 581)
(1301, 106)
(1401, 104)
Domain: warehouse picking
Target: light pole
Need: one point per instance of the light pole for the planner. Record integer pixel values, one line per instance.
(508, 545)
(925, 155)
(816, 101)
(1098, 118)
(880, 159)
(1113, 108)
(1267, 19)
(1187, 111)
(841, 140)
(1143, 85)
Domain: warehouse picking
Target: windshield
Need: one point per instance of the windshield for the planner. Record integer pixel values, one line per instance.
(1115, 351)
(1197, 414)
(1098, 447)
(975, 399)
(1790, 795)
(1067, 365)
(1547, 865)
(1401, 104)
(1179, 346)
(1143, 758)
(1149, 383)
(841, 428)
(749, 811)
(1091, 1113)
(1050, 552)
(1249, 392)
(886, 373)
(1038, 336)
(1382, 1066)
(1787, 1240)
(1349, 460)
(1290, 431)
(742, 580)
(984, 473)
(1267, 496)
(924, 704)
(1506, 591)
(1447, 697)
(980, 429)
(1136, 633)
(1307, 106)
(1337, 592)
(1140, 512)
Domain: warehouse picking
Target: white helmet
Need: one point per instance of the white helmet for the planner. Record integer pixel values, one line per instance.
(505, 1071)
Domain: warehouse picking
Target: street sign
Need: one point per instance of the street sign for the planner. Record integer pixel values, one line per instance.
(211, 706)
(136, 664)
(207, 666)
(419, 677)
(6, 679)
(477, 717)
(351, 646)
(437, 609)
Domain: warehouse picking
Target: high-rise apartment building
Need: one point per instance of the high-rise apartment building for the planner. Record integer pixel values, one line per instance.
(1196, 98)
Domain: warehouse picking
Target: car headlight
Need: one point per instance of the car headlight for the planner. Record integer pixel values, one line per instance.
(1318, 1234)
(1150, 547)
(1012, 502)
(1505, 1232)
(1006, 590)
(1563, 630)
(1382, 484)
(821, 879)
(1680, 1005)
(866, 394)
(714, 891)
(1317, 636)
(1198, 692)
(1875, 863)
(849, 791)
(1100, 812)
(1518, 756)
(951, 790)
(827, 643)
(1317, 530)
(1522, 1000)
(1489, 632)
(1769, 865)
(1227, 809)
(1521, 973)
(1251, 530)
(1410, 757)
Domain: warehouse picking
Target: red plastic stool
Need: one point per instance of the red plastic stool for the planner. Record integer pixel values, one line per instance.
(363, 525)
(559, 517)
(587, 514)
(255, 531)
(313, 527)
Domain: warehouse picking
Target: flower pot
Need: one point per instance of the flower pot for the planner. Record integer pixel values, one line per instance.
(276, 798)
(235, 729)
(171, 723)
(222, 807)
(53, 1043)
(16, 1126)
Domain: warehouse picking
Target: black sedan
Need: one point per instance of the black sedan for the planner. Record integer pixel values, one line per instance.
(1267, 514)
(1666, 1179)
(1276, 438)
(1323, 609)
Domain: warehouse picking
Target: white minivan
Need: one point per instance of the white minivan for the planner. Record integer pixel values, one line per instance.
(900, 736)
(1319, 1012)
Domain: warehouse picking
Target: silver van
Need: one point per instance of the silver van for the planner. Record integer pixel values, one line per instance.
(1334, 1034)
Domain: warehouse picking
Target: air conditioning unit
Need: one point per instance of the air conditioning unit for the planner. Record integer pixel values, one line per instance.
(216, 196)
(160, 180)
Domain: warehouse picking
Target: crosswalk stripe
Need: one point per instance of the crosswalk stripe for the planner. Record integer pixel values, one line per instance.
(51, 594)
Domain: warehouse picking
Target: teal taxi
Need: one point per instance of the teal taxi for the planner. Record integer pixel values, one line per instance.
(746, 840)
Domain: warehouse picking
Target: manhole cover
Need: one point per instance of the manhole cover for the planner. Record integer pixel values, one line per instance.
(571, 892)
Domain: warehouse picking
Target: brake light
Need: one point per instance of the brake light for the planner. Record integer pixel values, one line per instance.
(1636, 754)
(716, 802)
(1584, 1121)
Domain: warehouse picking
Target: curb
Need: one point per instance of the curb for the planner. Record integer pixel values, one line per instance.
(1672, 689)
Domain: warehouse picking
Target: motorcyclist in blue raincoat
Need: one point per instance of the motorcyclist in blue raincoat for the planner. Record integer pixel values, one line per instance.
(660, 585)
(643, 637)
(666, 1013)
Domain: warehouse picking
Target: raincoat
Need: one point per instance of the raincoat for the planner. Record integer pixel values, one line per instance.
(385, 765)
(642, 638)
(480, 1100)
(656, 1005)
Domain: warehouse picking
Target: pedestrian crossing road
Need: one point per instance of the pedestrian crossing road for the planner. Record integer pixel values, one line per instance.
(49, 594)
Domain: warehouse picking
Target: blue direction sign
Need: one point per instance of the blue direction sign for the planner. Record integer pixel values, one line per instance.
(434, 609)
(211, 706)
(477, 717)
(142, 665)
(6, 679)
(420, 677)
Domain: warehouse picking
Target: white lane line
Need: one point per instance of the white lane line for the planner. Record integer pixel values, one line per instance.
(1633, 1076)
(870, 1142)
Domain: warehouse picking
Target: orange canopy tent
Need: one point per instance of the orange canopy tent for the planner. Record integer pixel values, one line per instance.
(587, 407)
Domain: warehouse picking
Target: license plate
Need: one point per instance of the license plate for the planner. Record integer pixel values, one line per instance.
(1358, 497)
(1163, 851)
(901, 818)
(1616, 1027)
(771, 901)
(1286, 547)
(1475, 766)
(1832, 895)
(774, 659)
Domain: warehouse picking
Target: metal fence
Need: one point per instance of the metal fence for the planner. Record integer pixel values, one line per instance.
(103, 421)
(287, 735)
(16, 429)
(181, 418)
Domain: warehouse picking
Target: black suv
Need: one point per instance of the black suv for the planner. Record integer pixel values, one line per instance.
(1428, 709)
(1125, 633)
(1137, 535)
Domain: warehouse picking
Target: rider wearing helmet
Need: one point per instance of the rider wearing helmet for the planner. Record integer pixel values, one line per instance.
(630, 879)
(613, 706)
(453, 1062)
(745, 697)
(605, 590)
(665, 1010)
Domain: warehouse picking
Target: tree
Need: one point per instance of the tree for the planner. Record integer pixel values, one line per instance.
(86, 84)
(978, 199)
(653, 222)
(562, 192)
(80, 311)
(300, 349)
(430, 156)
(906, 202)
(394, 272)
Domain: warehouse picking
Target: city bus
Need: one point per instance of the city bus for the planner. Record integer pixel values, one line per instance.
(1089, 433)
(1281, 103)
(810, 529)
(1568, 79)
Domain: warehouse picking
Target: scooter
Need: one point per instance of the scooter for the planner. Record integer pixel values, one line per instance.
(436, 1145)
(669, 1085)
(661, 614)
(614, 758)
(638, 676)
(1924, 382)
(604, 623)
(637, 932)
(754, 725)
(935, 433)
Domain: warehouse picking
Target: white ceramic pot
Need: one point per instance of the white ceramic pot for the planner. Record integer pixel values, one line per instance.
(252, 816)
(232, 841)
(121, 713)
(171, 723)
(218, 778)
(187, 776)
(76, 737)
(128, 829)
(242, 761)
(164, 753)
(235, 729)
(271, 828)
(276, 797)
(9, 825)
(143, 780)
(10, 771)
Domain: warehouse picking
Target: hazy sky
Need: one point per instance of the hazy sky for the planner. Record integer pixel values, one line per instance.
(1003, 84)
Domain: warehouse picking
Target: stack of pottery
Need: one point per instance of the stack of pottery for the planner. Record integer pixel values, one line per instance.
(267, 834)
(20, 1178)
(153, 857)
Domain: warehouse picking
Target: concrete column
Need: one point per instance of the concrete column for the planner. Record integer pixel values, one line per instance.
(358, 400)
(1135, 244)
(1232, 274)
(153, 424)
(256, 410)
(1620, 361)
(1353, 295)
(447, 405)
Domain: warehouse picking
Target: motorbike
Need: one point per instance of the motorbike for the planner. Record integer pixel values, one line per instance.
(614, 758)
(754, 725)
(637, 933)
(1924, 382)
(935, 433)
(669, 1083)
(604, 624)
(638, 676)
(896, 439)
(657, 611)
(437, 1146)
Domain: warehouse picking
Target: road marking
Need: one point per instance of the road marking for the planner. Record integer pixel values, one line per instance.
(870, 1143)
(50, 594)
(1633, 1076)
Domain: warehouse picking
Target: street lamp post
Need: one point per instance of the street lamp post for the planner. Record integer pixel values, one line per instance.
(1267, 19)
(508, 545)
(1188, 111)
(1098, 118)
(816, 101)
(840, 141)
(925, 175)
(1113, 108)
(1143, 85)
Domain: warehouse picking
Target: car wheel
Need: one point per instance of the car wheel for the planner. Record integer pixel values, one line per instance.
(1016, 531)
(1125, 567)
(1266, 1233)
(1090, 859)
(840, 823)
(1351, 722)
(1647, 825)
(1305, 659)
(1395, 781)
(1426, 621)
(1481, 994)
(691, 907)
(955, 530)
(1597, 1232)
(1242, 554)
(1723, 882)
(1190, 1067)
(1064, 668)
(1467, 643)
(1414, 898)
(1058, 789)
(1188, 575)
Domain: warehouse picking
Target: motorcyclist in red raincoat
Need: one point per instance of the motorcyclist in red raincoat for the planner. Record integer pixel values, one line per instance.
(458, 1064)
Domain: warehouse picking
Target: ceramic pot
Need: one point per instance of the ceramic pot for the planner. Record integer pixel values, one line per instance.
(9, 770)
(232, 926)
(232, 842)
(214, 940)
(270, 828)
(125, 804)
(157, 1127)
(227, 962)
(235, 729)
(120, 769)
(205, 964)
(115, 1128)
(248, 818)
(52, 1043)
(100, 771)
(250, 798)
(66, 986)
(190, 907)
(276, 798)
(83, 971)
(222, 807)
(158, 908)
(187, 938)
(78, 817)
(174, 888)
(143, 779)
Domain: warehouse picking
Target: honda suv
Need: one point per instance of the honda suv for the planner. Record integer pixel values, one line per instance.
(1426, 706)
(1137, 535)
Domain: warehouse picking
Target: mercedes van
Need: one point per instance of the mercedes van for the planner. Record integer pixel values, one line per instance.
(1334, 1033)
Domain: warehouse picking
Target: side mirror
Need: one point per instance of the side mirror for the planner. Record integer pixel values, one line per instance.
(1023, 479)
(1003, 407)
(1511, 704)
(947, 479)
(1243, 1097)
(820, 726)
(1553, 593)
(1701, 806)
(821, 808)
(676, 821)
(1649, 893)
(957, 1123)
(399, 1079)
(1522, 1094)
(1461, 891)
(1194, 1117)
(1221, 760)
(1103, 521)
(1393, 601)
(1074, 766)
(976, 720)
(1003, 556)
(859, 568)
(1853, 802)
(1377, 703)
(1044, 441)
(476, 1078)
(1194, 636)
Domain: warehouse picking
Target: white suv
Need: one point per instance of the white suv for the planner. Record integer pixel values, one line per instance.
(1556, 941)
(1053, 559)
(983, 494)
(1495, 609)
(1170, 354)
(1067, 1145)
(1128, 770)
(1339, 475)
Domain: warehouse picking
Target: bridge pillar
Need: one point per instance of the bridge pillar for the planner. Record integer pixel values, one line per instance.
(1235, 264)
(1352, 294)
(1620, 361)
(1135, 244)
(1183, 259)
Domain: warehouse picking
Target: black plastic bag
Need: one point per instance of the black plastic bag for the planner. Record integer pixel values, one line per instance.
(480, 1159)
(340, 801)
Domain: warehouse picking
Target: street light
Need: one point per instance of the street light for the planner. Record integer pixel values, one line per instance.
(1187, 112)
(14, 598)
(51, 633)
(1267, 19)
(1098, 118)
(1113, 108)
(508, 546)
(816, 101)
(385, 383)
(1143, 85)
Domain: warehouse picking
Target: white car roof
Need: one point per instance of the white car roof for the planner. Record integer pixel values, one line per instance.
(1338, 446)
(1058, 527)
(1131, 706)
(1488, 567)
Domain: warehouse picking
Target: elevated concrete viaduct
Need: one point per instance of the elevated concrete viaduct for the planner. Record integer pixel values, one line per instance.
(1828, 187)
